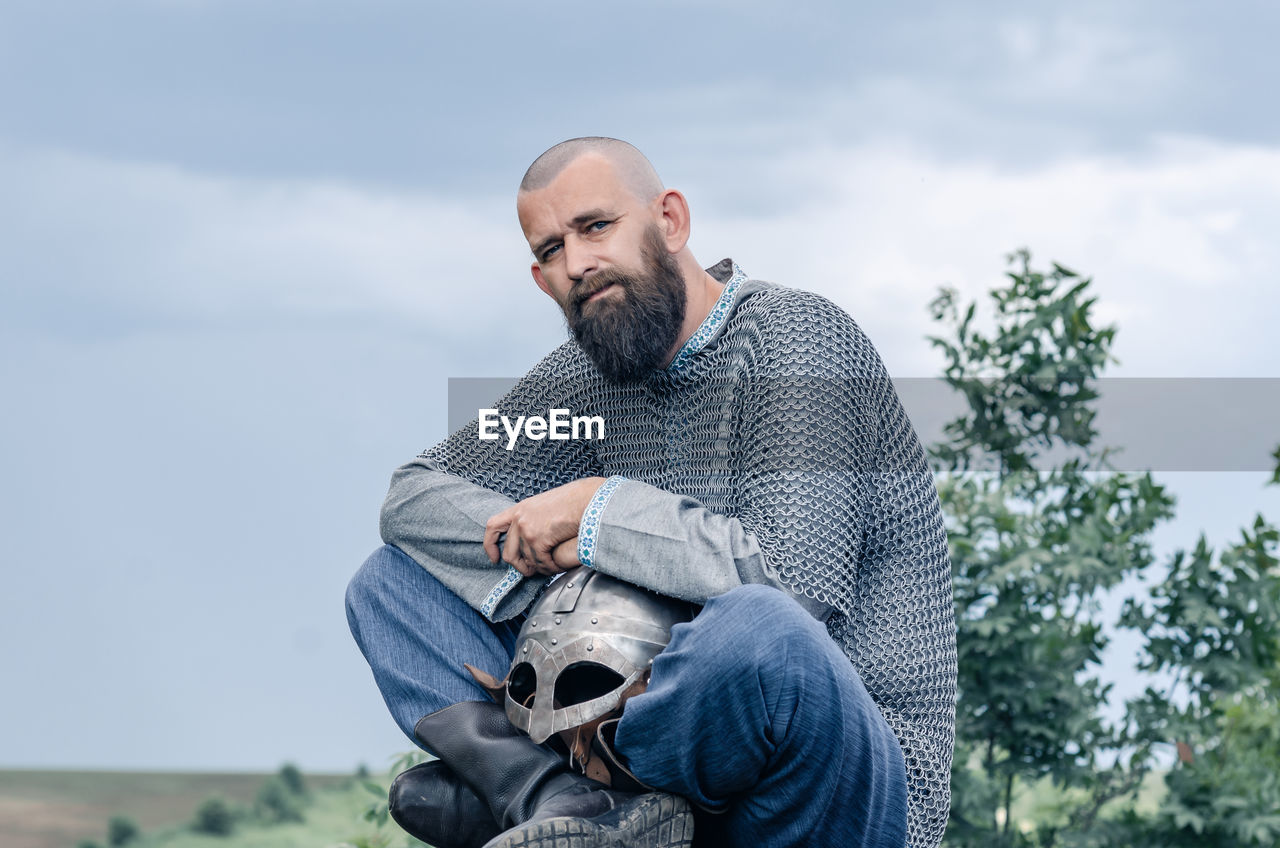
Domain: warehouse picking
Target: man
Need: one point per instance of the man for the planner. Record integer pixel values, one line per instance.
(756, 460)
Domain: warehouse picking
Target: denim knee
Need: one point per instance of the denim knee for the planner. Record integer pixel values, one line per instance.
(758, 597)
(760, 613)
(752, 629)
(388, 573)
(371, 579)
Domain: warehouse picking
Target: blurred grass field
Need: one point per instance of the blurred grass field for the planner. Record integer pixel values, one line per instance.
(59, 809)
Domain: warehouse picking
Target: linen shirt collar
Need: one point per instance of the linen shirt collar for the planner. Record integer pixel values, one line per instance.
(727, 272)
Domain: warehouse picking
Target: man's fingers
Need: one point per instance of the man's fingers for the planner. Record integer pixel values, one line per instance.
(493, 529)
(565, 554)
(542, 555)
(511, 548)
(492, 541)
(534, 541)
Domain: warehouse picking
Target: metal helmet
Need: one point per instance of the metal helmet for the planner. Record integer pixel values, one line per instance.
(585, 647)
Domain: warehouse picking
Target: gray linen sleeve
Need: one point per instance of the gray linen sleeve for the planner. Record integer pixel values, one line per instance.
(645, 531)
(438, 519)
(438, 503)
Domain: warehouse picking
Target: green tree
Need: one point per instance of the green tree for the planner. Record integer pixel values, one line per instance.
(214, 817)
(277, 804)
(293, 780)
(1037, 537)
(121, 830)
(1213, 623)
(1034, 549)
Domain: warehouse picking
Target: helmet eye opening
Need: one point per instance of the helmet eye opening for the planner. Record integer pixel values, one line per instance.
(522, 685)
(585, 681)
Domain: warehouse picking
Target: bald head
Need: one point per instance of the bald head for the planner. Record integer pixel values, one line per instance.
(632, 168)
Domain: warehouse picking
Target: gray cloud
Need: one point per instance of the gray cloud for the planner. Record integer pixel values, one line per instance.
(459, 98)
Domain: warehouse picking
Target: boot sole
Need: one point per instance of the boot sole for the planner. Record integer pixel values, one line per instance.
(656, 820)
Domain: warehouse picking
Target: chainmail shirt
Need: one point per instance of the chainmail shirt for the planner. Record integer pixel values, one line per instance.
(773, 449)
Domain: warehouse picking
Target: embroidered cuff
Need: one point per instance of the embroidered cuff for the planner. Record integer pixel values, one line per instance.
(590, 524)
(508, 582)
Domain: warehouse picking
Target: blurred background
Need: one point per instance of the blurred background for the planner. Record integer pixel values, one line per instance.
(244, 246)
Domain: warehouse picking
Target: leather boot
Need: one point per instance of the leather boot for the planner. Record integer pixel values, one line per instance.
(534, 795)
(430, 803)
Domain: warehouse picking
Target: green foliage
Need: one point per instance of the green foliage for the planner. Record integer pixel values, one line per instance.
(1214, 623)
(1028, 384)
(87, 843)
(215, 817)
(1034, 551)
(371, 840)
(121, 830)
(293, 780)
(283, 797)
(276, 804)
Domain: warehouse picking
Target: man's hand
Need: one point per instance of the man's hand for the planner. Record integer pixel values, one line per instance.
(539, 529)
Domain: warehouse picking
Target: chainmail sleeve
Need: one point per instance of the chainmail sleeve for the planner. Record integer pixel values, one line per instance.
(439, 503)
(900, 632)
(844, 506)
(810, 444)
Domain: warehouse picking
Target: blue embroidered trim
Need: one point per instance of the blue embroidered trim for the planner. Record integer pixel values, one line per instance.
(589, 527)
(711, 323)
(508, 582)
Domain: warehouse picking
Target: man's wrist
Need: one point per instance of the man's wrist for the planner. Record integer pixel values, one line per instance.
(590, 486)
(589, 526)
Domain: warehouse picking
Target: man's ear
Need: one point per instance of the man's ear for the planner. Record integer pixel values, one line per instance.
(674, 219)
(538, 278)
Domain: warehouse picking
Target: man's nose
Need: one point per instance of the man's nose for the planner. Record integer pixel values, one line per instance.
(580, 259)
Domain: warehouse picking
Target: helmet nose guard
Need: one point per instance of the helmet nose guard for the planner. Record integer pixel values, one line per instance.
(585, 647)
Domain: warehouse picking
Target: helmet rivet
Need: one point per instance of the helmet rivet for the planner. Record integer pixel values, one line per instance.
(557, 619)
(595, 620)
(570, 584)
(650, 661)
(533, 623)
(526, 650)
(590, 647)
(554, 641)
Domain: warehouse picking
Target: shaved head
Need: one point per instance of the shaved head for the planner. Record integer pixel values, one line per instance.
(632, 168)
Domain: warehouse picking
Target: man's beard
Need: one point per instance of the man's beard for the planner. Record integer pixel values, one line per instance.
(628, 333)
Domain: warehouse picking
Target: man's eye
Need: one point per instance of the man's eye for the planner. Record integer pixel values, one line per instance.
(548, 253)
(597, 226)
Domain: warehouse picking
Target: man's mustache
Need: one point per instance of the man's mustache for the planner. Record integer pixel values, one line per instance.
(581, 292)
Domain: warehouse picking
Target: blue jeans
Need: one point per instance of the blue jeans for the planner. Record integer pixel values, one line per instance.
(752, 711)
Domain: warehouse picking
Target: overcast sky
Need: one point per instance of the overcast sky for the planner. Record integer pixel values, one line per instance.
(243, 246)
